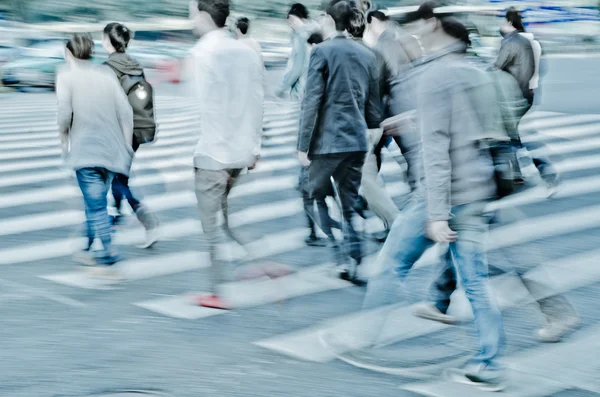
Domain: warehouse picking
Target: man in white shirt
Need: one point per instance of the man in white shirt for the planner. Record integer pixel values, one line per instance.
(227, 81)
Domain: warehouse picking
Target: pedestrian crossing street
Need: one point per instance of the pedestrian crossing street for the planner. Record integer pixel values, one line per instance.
(41, 221)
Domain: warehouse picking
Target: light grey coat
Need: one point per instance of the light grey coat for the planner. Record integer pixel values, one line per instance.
(94, 112)
(457, 109)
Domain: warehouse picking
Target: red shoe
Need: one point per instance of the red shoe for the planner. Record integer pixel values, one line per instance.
(213, 302)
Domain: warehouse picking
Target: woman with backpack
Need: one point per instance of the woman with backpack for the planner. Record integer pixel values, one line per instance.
(131, 76)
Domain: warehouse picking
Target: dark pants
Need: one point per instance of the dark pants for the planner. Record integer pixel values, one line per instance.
(120, 186)
(322, 218)
(346, 170)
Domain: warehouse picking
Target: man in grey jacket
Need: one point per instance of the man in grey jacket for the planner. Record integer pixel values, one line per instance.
(454, 103)
(342, 101)
(516, 53)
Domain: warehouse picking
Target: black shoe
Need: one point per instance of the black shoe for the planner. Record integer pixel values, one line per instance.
(348, 272)
(314, 241)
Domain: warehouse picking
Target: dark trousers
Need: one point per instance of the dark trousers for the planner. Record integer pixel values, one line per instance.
(321, 218)
(346, 170)
(120, 187)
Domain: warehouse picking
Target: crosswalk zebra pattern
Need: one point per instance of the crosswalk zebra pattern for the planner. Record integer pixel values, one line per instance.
(42, 217)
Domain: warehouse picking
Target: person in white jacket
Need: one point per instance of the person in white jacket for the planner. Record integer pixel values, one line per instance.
(227, 82)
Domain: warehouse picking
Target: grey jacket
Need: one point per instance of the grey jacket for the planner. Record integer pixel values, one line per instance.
(342, 98)
(95, 113)
(516, 57)
(456, 103)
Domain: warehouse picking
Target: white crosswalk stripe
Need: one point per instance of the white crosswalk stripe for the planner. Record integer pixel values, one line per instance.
(40, 208)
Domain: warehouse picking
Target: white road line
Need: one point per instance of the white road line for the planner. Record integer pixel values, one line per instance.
(564, 274)
(570, 132)
(42, 293)
(251, 293)
(64, 247)
(169, 264)
(557, 120)
(137, 269)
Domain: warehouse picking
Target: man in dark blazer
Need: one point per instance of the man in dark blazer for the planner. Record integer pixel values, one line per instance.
(341, 103)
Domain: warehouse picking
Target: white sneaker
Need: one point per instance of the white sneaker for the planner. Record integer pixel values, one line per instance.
(555, 330)
(152, 237)
(429, 311)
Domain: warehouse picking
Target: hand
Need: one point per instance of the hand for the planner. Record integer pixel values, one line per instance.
(253, 166)
(303, 157)
(440, 232)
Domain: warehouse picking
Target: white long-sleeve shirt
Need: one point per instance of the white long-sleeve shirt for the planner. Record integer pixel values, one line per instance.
(227, 82)
(537, 55)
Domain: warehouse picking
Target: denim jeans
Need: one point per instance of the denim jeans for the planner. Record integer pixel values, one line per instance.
(407, 242)
(94, 184)
(470, 261)
(121, 189)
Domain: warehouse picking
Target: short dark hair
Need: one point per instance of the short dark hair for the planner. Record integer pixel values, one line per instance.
(315, 38)
(81, 46)
(243, 24)
(357, 24)
(118, 35)
(514, 17)
(377, 14)
(341, 12)
(298, 10)
(217, 9)
(451, 26)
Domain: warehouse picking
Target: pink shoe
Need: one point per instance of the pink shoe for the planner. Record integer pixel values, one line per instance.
(213, 302)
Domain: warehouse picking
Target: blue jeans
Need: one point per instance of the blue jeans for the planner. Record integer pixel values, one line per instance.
(94, 184)
(403, 247)
(121, 189)
(470, 261)
(407, 242)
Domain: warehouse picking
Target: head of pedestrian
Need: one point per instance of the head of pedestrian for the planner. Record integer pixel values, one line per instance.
(437, 31)
(297, 15)
(340, 13)
(512, 22)
(116, 38)
(242, 26)
(358, 23)
(314, 39)
(208, 15)
(80, 47)
(378, 22)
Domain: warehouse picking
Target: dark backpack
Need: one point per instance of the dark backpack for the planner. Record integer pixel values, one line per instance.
(513, 106)
(141, 98)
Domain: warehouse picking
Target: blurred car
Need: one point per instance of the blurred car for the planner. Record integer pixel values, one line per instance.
(36, 65)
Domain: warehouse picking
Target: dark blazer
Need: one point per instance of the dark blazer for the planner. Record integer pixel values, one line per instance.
(342, 98)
